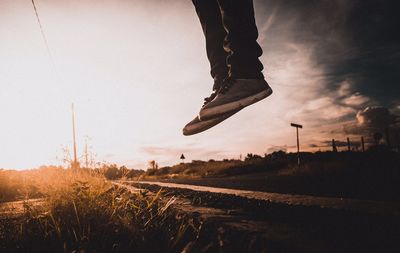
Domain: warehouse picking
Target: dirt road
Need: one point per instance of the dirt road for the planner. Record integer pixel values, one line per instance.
(378, 207)
(249, 221)
(16, 208)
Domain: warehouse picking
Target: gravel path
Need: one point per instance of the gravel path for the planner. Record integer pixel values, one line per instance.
(367, 206)
(250, 221)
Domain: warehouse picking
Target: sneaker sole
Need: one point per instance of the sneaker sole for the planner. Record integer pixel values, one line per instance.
(197, 126)
(234, 106)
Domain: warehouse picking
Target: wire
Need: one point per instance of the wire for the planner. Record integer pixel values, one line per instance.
(42, 32)
(57, 74)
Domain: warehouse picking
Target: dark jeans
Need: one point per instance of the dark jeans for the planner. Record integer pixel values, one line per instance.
(231, 38)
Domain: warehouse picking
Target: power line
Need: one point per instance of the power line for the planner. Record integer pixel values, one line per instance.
(52, 63)
(75, 163)
(42, 32)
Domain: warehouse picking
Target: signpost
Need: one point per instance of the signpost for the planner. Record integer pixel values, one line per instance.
(183, 158)
(297, 126)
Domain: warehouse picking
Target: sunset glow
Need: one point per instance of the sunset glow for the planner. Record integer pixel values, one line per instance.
(137, 72)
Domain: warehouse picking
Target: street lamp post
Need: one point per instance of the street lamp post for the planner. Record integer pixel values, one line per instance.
(297, 126)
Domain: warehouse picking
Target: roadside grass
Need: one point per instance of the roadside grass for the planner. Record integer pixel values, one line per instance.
(86, 213)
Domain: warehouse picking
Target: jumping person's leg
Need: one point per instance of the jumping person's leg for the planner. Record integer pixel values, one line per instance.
(210, 18)
(246, 84)
(209, 14)
(241, 40)
(232, 49)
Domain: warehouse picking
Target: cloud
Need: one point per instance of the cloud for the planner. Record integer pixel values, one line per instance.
(361, 48)
(395, 107)
(356, 100)
(345, 88)
(375, 119)
(326, 63)
(325, 108)
(346, 44)
(301, 54)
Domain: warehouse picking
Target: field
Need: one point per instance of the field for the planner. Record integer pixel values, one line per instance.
(52, 209)
(83, 212)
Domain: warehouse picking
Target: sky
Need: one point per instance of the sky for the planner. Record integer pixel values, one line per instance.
(137, 72)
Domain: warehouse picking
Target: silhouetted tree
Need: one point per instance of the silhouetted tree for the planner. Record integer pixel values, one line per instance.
(123, 171)
(153, 165)
(111, 172)
(251, 156)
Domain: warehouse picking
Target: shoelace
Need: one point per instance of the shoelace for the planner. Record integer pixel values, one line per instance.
(211, 97)
(226, 85)
(220, 89)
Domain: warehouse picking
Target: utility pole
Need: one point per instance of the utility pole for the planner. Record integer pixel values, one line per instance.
(86, 155)
(362, 144)
(75, 164)
(334, 148)
(348, 144)
(297, 126)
